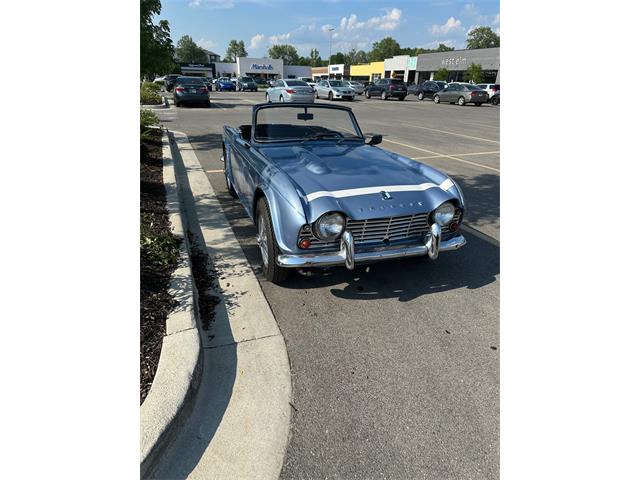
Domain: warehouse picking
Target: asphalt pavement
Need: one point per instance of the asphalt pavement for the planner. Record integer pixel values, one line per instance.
(395, 366)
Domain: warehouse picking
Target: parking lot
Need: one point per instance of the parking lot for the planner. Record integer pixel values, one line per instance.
(395, 366)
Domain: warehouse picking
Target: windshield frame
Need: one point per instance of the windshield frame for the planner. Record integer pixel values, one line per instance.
(257, 108)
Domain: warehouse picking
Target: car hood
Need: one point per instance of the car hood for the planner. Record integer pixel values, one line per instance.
(351, 178)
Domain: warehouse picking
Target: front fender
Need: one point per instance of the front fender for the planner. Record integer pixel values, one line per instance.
(287, 213)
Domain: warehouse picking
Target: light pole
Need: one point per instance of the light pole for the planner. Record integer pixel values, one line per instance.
(330, 29)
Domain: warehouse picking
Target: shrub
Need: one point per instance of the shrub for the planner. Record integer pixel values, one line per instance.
(148, 118)
(474, 73)
(442, 74)
(160, 247)
(150, 93)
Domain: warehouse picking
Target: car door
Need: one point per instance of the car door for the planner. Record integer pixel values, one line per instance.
(323, 90)
(377, 87)
(450, 92)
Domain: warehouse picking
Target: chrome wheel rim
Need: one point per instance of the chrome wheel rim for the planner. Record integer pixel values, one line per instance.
(460, 101)
(262, 241)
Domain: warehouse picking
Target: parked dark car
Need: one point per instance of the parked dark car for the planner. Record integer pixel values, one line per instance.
(247, 84)
(462, 93)
(190, 90)
(426, 89)
(385, 88)
(260, 82)
(170, 81)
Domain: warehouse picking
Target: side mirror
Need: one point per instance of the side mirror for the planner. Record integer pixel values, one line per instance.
(375, 140)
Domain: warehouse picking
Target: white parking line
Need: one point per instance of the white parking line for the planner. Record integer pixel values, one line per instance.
(214, 171)
(457, 155)
(443, 155)
(452, 133)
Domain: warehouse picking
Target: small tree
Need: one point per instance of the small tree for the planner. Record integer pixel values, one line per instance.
(287, 53)
(442, 74)
(188, 52)
(482, 37)
(474, 73)
(236, 49)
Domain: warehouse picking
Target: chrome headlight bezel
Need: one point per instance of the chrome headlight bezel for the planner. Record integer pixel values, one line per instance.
(443, 215)
(329, 226)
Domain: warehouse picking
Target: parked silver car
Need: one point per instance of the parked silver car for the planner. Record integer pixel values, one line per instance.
(356, 86)
(289, 90)
(332, 89)
(462, 93)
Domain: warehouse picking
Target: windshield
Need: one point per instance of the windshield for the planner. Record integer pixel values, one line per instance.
(305, 79)
(278, 124)
(247, 79)
(337, 83)
(190, 81)
(296, 83)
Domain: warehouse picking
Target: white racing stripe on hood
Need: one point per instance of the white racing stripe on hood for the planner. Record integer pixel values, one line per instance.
(353, 192)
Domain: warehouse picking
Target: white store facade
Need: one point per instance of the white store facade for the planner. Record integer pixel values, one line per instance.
(268, 68)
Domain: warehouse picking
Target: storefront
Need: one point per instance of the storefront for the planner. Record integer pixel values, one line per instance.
(320, 73)
(198, 70)
(402, 67)
(457, 62)
(367, 72)
(268, 68)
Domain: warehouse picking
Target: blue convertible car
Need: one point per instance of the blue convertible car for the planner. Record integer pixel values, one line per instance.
(321, 194)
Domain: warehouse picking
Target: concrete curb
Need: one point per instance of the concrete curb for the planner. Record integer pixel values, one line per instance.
(180, 367)
(239, 425)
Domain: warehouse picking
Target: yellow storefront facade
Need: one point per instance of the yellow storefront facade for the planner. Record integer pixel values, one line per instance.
(370, 71)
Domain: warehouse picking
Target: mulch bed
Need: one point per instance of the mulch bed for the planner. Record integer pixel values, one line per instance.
(158, 259)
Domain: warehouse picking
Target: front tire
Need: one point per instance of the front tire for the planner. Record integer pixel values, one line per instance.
(267, 244)
(368, 94)
(230, 189)
(462, 102)
(383, 95)
(266, 97)
(436, 99)
(421, 96)
(330, 97)
(400, 98)
(477, 104)
(495, 101)
(281, 99)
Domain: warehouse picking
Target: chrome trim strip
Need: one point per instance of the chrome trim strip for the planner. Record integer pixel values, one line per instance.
(353, 192)
(340, 258)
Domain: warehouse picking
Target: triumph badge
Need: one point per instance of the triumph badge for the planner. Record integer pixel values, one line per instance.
(385, 195)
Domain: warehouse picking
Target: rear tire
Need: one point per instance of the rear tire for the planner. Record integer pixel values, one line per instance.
(436, 99)
(383, 95)
(477, 104)
(401, 98)
(267, 244)
(421, 96)
(330, 97)
(368, 94)
(462, 102)
(230, 189)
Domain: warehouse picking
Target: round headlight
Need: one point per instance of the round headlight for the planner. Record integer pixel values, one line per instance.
(444, 214)
(329, 226)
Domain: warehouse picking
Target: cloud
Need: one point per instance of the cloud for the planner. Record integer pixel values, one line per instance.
(350, 32)
(452, 25)
(206, 43)
(211, 3)
(257, 41)
(470, 10)
(389, 21)
(496, 20)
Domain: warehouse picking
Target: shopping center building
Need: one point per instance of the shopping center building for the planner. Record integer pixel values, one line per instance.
(457, 62)
(268, 68)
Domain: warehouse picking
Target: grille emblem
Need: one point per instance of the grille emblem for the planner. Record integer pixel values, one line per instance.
(385, 195)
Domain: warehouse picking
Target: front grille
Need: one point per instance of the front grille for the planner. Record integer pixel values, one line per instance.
(380, 231)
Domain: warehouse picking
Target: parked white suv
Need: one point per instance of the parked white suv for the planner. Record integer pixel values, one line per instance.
(309, 81)
(490, 88)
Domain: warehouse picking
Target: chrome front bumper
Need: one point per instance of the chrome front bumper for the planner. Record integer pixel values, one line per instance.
(347, 256)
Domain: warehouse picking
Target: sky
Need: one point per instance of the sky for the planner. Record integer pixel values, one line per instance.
(306, 23)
